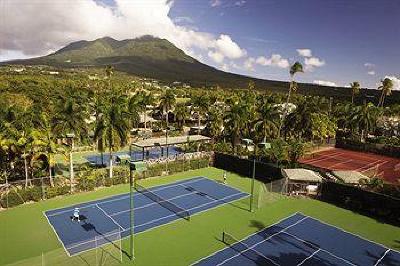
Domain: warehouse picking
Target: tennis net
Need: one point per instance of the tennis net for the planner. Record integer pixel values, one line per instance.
(163, 202)
(245, 250)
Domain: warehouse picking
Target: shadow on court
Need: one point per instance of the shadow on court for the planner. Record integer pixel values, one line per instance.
(90, 227)
(229, 202)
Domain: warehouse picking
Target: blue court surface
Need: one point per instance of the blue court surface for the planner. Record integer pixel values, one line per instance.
(137, 155)
(104, 220)
(302, 240)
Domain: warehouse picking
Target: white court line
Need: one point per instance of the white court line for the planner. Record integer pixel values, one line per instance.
(324, 157)
(96, 202)
(262, 241)
(112, 219)
(324, 250)
(335, 164)
(55, 232)
(309, 257)
(164, 217)
(360, 237)
(193, 208)
(243, 239)
(155, 227)
(367, 166)
(153, 203)
(384, 254)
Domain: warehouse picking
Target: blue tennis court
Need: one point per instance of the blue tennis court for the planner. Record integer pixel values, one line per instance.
(137, 155)
(104, 220)
(302, 240)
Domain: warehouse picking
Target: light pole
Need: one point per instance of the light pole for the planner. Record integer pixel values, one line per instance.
(70, 137)
(265, 146)
(131, 206)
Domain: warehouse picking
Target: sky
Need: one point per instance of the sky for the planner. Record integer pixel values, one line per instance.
(337, 41)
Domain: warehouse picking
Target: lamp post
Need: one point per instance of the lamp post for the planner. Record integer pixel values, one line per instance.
(265, 146)
(70, 137)
(131, 206)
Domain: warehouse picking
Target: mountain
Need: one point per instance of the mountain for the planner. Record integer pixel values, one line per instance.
(156, 58)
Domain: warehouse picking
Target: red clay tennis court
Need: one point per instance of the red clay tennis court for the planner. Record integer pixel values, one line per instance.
(339, 159)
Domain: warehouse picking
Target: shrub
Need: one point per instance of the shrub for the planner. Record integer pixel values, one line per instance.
(120, 175)
(51, 192)
(12, 199)
(87, 182)
(35, 193)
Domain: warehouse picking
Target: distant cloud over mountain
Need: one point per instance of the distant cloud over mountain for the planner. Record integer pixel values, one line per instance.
(24, 30)
(325, 83)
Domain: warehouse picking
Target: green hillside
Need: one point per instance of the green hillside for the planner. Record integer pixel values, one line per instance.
(159, 59)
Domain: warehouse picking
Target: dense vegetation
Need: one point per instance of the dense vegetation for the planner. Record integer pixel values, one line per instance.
(38, 110)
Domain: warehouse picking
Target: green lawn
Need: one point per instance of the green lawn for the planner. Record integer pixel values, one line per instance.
(25, 233)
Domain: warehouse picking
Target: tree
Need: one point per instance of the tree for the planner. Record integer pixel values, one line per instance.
(145, 98)
(267, 121)
(236, 121)
(109, 71)
(297, 67)
(113, 125)
(45, 145)
(365, 117)
(298, 123)
(386, 87)
(355, 89)
(296, 150)
(167, 103)
(70, 117)
(201, 104)
(215, 122)
(322, 126)
(181, 114)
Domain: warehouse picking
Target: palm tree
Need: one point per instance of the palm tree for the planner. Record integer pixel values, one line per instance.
(386, 87)
(167, 103)
(181, 114)
(47, 147)
(365, 117)
(236, 121)
(355, 89)
(297, 67)
(70, 117)
(201, 104)
(113, 125)
(299, 122)
(267, 121)
(109, 72)
(215, 122)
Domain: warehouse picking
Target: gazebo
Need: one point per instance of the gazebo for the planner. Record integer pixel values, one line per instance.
(302, 181)
(164, 142)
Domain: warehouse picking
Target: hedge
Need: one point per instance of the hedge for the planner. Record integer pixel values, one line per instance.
(89, 179)
(264, 171)
(381, 149)
(366, 202)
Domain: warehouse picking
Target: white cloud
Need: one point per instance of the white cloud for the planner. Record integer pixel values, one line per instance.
(183, 20)
(240, 3)
(372, 73)
(36, 28)
(369, 65)
(229, 48)
(215, 3)
(216, 57)
(396, 82)
(313, 62)
(325, 83)
(249, 64)
(304, 52)
(225, 67)
(275, 60)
